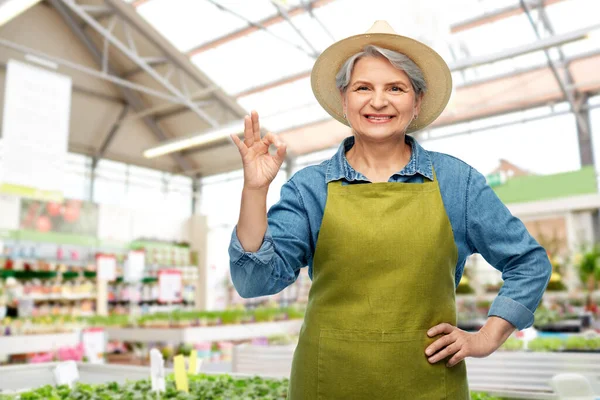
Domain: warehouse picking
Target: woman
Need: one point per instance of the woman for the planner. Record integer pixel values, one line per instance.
(385, 228)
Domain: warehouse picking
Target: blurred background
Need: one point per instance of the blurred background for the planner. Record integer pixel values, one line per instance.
(120, 187)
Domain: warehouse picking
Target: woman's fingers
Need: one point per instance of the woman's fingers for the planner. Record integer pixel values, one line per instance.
(281, 150)
(248, 131)
(255, 126)
(279, 156)
(241, 146)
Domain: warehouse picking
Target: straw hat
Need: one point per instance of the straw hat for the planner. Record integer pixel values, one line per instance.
(435, 71)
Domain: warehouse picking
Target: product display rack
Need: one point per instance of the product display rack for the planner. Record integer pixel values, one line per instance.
(205, 334)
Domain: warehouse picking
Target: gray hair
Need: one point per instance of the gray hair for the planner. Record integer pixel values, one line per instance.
(398, 60)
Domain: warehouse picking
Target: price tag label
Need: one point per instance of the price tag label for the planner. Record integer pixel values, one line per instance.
(193, 362)
(181, 379)
(66, 373)
(157, 371)
(106, 267)
(134, 268)
(170, 286)
(94, 344)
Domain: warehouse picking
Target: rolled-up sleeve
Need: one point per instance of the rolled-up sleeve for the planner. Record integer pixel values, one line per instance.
(285, 249)
(504, 242)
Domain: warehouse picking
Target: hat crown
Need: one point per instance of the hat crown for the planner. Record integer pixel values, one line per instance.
(381, 26)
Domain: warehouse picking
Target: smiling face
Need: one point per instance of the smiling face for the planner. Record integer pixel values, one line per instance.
(379, 101)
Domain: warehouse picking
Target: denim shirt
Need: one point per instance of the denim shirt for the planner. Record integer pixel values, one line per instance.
(481, 223)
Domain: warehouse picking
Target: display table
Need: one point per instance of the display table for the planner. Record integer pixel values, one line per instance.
(527, 375)
(522, 375)
(37, 343)
(205, 334)
(263, 360)
(25, 377)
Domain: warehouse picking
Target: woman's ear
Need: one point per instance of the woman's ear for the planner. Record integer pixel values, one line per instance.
(344, 102)
(418, 101)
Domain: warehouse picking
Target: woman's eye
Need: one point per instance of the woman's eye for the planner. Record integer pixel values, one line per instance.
(397, 89)
(362, 88)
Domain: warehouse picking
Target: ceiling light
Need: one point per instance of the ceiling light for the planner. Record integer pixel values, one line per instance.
(196, 140)
(9, 9)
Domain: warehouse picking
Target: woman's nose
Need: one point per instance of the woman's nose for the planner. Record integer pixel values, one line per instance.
(378, 100)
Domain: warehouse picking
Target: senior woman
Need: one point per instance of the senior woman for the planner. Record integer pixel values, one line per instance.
(385, 228)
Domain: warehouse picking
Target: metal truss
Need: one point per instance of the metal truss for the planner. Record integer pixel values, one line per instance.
(573, 97)
(132, 98)
(181, 82)
(129, 50)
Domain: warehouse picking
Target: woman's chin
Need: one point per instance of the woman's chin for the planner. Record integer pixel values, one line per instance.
(379, 132)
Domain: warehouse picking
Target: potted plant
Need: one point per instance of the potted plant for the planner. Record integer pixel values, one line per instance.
(556, 283)
(589, 273)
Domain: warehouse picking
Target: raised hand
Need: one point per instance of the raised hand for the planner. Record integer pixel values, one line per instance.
(260, 167)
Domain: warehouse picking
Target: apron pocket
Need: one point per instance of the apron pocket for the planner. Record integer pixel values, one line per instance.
(378, 365)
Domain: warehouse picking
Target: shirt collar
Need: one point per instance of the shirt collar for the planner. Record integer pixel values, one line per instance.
(419, 163)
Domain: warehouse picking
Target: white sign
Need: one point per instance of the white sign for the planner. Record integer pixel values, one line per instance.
(66, 373)
(170, 286)
(134, 267)
(157, 371)
(94, 344)
(106, 268)
(10, 207)
(35, 127)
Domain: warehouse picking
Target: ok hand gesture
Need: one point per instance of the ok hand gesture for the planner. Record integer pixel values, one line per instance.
(260, 167)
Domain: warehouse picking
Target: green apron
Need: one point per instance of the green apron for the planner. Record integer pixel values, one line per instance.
(383, 274)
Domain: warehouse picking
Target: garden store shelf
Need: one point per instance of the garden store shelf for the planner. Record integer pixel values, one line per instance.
(22, 344)
(31, 376)
(205, 334)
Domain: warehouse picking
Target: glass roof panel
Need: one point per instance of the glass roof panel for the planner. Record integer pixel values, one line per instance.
(494, 37)
(424, 20)
(183, 22)
(568, 16)
(253, 60)
(285, 106)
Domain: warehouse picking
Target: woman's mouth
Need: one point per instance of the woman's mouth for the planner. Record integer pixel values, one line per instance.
(378, 118)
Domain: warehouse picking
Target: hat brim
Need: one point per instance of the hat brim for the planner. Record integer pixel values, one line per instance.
(435, 71)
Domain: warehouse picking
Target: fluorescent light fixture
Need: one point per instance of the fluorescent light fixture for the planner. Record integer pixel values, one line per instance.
(179, 144)
(594, 36)
(9, 9)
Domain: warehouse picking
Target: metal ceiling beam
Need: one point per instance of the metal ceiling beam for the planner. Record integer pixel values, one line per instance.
(496, 15)
(583, 127)
(175, 57)
(89, 71)
(88, 92)
(132, 98)
(459, 65)
(261, 27)
(112, 133)
(286, 16)
(540, 45)
(309, 9)
(109, 37)
(266, 22)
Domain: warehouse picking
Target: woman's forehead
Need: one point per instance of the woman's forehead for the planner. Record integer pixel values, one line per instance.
(377, 69)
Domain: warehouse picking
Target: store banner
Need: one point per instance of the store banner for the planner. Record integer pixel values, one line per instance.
(35, 131)
(68, 216)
